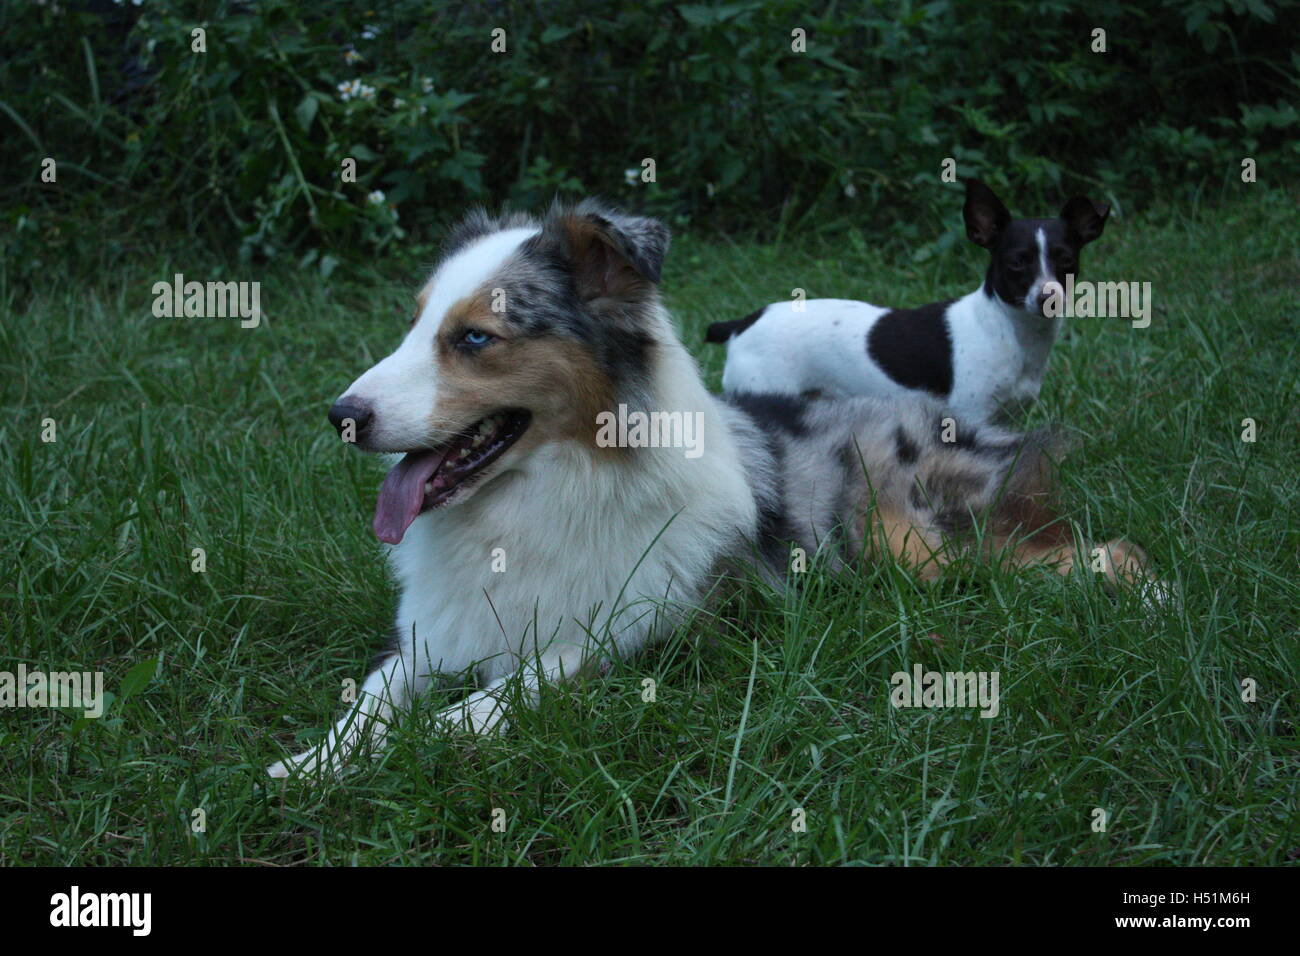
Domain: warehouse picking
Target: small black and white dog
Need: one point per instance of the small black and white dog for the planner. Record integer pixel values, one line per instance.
(984, 353)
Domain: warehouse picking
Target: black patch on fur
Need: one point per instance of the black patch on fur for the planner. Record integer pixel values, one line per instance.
(904, 447)
(851, 467)
(772, 411)
(953, 488)
(847, 457)
(950, 497)
(392, 647)
(954, 521)
(966, 438)
(625, 355)
(775, 530)
(914, 347)
(917, 496)
(721, 331)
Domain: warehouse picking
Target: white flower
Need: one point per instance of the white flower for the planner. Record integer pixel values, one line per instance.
(630, 176)
(426, 84)
(355, 89)
(351, 56)
(398, 102)
(850, 190)
(376, 197)
(369, 31)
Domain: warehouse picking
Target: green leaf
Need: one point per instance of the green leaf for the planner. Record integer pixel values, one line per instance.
(138, 678)
(306, 111)
(553, 33)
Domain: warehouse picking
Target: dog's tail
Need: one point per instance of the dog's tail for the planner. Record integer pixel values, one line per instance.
(722, 331)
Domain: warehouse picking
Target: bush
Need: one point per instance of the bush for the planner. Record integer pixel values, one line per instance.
(245, 142)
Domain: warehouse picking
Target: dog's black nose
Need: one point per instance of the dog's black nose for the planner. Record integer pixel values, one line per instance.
(350, 408)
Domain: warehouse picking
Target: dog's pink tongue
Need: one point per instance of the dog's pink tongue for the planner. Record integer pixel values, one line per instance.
(402, 494)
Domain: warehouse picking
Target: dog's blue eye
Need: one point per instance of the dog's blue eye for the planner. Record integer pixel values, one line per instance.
(476, 339)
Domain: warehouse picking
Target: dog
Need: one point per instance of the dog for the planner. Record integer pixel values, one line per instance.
(530, 549)
(984, 354)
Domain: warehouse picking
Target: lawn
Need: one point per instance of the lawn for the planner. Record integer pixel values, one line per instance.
(771, 709)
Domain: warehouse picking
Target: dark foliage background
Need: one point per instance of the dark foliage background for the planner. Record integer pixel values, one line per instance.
(242, 145)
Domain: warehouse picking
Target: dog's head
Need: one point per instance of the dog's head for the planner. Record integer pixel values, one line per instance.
(1029, 255)
(525, 332)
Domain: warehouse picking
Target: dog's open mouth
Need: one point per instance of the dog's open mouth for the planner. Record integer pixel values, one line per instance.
(430, 478)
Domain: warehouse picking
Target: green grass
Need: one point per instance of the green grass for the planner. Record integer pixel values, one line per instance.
(175, 434)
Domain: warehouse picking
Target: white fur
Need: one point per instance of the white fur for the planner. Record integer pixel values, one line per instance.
(601, 551)
(999, 353)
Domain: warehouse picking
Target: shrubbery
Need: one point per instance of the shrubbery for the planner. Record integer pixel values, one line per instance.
(244, 143)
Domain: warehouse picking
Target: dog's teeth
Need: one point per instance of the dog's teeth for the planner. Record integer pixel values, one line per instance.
(428, 487)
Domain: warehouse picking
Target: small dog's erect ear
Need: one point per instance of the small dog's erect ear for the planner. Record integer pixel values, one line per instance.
(613, 255)
(1084, 218)
(985, 214)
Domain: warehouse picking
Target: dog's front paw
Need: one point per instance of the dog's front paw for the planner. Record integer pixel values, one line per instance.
(481, 713)
(301, 763)
(1159, 596)
(307, 763)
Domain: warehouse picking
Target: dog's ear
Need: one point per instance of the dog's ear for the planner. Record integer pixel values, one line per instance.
(985, 215)
(1084, 219)
(613, 255)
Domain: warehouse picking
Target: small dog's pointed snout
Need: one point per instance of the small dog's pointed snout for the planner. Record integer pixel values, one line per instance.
(1054, 293)
(353, 409)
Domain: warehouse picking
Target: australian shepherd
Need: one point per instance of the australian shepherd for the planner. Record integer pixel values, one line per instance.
(528, 546)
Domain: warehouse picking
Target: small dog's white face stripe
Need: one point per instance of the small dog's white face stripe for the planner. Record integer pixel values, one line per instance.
(402, 388)
(1044, 274)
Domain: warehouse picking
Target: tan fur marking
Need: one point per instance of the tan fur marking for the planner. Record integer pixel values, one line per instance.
(557, 380)
(925, 553)
(883, 530)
